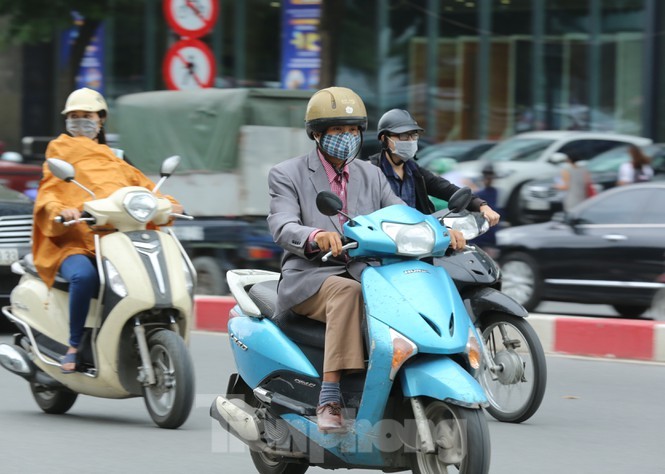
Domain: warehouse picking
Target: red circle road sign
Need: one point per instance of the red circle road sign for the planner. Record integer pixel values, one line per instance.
(191, 18)
(189, 64)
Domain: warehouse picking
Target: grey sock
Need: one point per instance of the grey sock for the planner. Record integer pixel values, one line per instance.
(330, 393)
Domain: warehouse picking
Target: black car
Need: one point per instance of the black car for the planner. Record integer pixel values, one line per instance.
(15, 239)
(609, 249)
(539, 200)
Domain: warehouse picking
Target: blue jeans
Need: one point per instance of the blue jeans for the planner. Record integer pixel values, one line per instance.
(81, 273)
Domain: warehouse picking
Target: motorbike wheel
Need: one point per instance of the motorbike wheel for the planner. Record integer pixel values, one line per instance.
(521, 279)
(170, 399)
(53, 402)
(461, 437)
(519, 389)
(266, 464)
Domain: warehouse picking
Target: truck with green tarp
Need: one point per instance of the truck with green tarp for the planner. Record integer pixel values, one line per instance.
(228, 140)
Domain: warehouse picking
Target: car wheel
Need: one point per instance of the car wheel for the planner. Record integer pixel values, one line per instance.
(630, 311)
(514, 212)
(520, 279)
(211, 276)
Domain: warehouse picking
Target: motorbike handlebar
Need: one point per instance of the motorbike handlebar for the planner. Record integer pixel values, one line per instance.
(350, 245)
(61, 220)
(182, 216)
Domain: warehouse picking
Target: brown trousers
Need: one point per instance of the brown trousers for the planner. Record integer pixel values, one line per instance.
(339, 304)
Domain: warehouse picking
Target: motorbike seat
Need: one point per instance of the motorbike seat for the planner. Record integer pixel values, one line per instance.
(300, 329)
(28, 265)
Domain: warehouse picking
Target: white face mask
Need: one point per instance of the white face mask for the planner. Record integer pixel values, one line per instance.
(405, 150)
(82, 127)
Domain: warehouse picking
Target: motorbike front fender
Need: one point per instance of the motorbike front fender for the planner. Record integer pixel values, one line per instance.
(482, 300)
(441, 378)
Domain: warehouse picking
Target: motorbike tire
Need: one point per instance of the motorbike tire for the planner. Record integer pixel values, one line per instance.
(265, 464)
(53, 402)
(520, 279)
(169, 401)
(534, 367)
(450, 423)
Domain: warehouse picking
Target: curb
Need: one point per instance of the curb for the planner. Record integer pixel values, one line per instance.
(571, 335)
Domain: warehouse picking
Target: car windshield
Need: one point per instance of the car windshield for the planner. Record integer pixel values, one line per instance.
(518, 149)
(451, 150)
(612, 159)
(608, 161)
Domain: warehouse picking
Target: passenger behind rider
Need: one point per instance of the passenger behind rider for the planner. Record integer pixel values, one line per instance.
(398, 133)
(328, 292)
(71, 250)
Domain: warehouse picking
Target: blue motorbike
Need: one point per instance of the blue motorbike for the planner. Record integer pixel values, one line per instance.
(418, 405)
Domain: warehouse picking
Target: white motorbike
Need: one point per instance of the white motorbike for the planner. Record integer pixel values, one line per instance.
(137, 329)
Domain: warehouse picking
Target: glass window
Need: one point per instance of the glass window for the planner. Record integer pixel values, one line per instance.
(608, 161)
(614, 208)
(587, 149)
(518, 149)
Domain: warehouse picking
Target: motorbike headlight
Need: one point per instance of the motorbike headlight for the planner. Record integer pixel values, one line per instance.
(141, 206)
(470, 225)
(410, 239)
(114, 280)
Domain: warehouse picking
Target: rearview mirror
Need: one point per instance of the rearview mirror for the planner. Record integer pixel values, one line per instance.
(460, 200)
(169, 165)
(558, 158)
(61, 169)
(328, 204)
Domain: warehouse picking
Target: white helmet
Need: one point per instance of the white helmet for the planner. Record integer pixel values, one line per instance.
(85, 99)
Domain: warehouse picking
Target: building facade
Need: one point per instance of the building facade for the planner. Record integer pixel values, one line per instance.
(465, 68)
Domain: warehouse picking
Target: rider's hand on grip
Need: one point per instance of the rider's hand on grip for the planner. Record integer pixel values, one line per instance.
(329, 241)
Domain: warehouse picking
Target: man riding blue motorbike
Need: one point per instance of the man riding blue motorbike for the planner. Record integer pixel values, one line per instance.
(398, 349)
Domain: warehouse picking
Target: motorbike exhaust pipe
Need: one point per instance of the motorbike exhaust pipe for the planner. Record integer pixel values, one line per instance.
(238, 418)
(17, 360)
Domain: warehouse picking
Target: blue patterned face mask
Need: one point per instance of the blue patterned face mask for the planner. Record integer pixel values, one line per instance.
(342, 146)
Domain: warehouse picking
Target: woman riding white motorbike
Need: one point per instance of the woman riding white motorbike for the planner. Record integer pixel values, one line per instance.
(136, 331)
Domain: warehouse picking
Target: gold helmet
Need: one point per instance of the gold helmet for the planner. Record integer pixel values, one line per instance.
(334, 106)
(87, 100)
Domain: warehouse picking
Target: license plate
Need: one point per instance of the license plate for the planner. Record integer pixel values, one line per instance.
(8, 256)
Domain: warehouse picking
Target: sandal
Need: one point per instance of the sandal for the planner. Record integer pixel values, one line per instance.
(68, 359)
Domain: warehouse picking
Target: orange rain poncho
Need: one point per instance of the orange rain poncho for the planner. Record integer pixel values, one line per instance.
(99, 170)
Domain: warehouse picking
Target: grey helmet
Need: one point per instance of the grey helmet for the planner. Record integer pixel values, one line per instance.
(397, 121)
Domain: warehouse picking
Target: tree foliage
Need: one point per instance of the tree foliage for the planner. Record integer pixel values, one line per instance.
(34, 21)
(37, 21)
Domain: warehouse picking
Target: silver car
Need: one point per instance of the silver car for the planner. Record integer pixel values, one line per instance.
(538, 155)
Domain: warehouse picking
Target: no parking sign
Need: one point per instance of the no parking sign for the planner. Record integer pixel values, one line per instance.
(189, 64)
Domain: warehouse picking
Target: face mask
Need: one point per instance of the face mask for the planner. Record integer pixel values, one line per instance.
(405, 150)
(342, 146)
(83, 127)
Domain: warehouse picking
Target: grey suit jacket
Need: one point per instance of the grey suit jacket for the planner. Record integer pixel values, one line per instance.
(293, 216)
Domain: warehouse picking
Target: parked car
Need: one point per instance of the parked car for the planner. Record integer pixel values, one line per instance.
(608, 249)
(539, 200)
(17, 175)
(15, 239)
(457, 150)
(538, 155)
